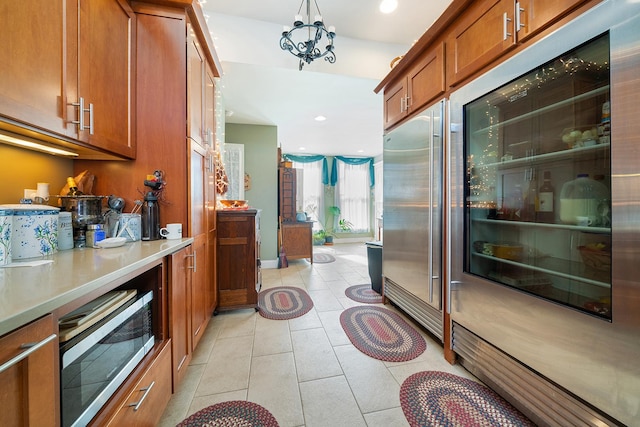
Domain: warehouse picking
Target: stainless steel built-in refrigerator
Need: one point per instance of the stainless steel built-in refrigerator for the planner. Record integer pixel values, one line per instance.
(545, 222)
(412, 217)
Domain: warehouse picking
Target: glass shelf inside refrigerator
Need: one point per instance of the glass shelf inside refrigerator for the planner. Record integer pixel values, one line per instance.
(538, 197)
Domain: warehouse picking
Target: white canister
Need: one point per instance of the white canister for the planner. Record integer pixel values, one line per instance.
(34, 231)
(6, 221)
(65, 231)
(130, 227)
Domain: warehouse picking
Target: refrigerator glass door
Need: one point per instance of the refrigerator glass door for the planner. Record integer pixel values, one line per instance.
(538, 204)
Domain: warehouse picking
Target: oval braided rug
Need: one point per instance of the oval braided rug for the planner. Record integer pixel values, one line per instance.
(235, 413)
(382, 334)
(363, 293)
(433, 398)
(323, 258)
(283, 302)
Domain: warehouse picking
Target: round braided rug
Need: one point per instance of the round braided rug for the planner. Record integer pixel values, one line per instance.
(283, 302)
(433, 398)
(322, 258)
(234, 413)
(363, 293)
(382, 334)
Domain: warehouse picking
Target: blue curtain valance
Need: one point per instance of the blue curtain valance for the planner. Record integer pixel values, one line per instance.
(352, 161)
(310, 158)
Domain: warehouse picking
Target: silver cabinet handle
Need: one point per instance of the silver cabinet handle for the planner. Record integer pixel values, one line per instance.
(194, 265)
(81, 113)
(136, 405)
(30, 348)
(90, 111)
(505, 21)
(518, 14)
(80, 121)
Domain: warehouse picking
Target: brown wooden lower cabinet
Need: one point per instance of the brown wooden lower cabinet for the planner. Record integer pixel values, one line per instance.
(238, 263)
(297, 239)
(28, 386)
(179, 309)
(145, 404)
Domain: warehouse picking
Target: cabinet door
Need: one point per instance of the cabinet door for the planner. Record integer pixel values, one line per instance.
(29, 386)
(395, 104)
(195, 73)
(105, 75)
(483, 34)
(32, 41)
(179, 312)
(198, 230)
(208, 107)
(426, 80)
(534, 15)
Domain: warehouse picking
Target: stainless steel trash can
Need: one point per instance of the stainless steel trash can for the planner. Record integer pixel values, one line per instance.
(374, 259)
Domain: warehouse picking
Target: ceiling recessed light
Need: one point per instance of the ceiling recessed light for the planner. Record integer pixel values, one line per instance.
(388, 6)
(302, 148)
(320, 118)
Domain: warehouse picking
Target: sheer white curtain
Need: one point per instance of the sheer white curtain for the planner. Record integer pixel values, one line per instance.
(309, 177)
(353, 195)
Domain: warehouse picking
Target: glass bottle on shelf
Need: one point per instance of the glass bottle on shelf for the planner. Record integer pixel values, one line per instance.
(531, 198)
(545, 211)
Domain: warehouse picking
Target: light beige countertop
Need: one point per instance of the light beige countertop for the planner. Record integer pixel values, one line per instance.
(27, 293)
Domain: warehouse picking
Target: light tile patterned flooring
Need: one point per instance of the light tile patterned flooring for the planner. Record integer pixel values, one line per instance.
(305, 371)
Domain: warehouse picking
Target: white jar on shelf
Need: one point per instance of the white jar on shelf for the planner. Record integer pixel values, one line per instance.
(583, 197)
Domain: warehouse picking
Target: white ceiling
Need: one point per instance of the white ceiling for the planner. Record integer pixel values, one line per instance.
(261, 83)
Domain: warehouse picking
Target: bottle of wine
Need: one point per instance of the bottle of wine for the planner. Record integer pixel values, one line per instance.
(545, 211)
(73, 187)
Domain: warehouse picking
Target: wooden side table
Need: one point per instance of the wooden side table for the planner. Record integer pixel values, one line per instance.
(297, 239)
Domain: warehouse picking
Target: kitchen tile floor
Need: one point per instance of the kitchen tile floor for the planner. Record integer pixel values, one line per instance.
(305, 371)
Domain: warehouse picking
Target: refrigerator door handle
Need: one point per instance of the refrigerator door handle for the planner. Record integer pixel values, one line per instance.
(431, 249)
(453, 285)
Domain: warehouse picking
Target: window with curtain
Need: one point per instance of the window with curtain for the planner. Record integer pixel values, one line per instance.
(353, 194)
(310, 195)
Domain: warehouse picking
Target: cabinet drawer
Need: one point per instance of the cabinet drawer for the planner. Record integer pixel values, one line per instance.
(145, 404)
(28, 375)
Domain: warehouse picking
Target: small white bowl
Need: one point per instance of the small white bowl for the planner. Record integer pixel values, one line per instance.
(112, 242)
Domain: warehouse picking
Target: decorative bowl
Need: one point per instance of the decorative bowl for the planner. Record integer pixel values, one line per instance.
(233, 204)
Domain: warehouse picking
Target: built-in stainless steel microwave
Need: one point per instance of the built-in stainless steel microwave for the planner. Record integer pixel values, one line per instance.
(95, 362)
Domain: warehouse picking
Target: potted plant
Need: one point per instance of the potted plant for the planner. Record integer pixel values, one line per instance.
(344, 225)
(319, 237)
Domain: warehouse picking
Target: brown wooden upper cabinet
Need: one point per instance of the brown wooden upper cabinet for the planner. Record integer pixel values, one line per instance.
(423, 83)
(489, 28)
(67, 70)
(31, 87)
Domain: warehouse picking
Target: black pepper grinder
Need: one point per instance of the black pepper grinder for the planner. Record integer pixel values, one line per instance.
(150, 217)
